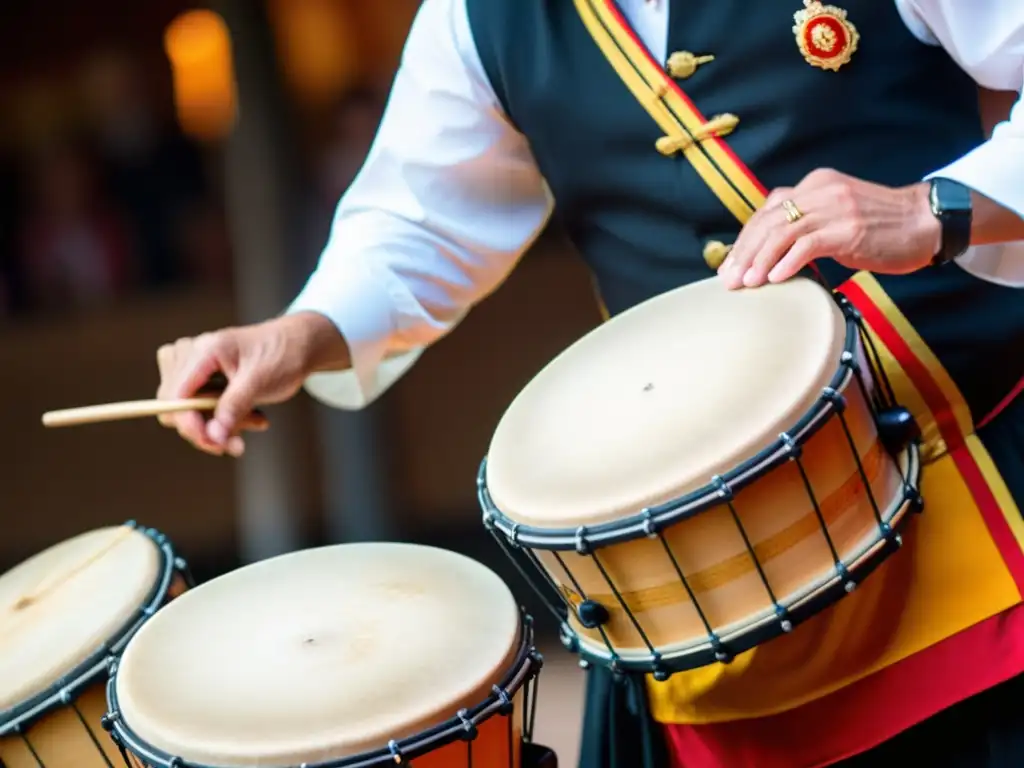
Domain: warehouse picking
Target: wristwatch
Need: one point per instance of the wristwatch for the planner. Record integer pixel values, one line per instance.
(951, 205)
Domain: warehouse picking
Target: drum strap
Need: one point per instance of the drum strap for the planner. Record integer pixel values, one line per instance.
(618, 730)
(683, 124)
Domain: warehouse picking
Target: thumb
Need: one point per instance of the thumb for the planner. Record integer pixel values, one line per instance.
(233, 406)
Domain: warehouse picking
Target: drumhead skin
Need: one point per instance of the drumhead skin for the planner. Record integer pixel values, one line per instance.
(318, 655)
(656, 402)
(60, 606)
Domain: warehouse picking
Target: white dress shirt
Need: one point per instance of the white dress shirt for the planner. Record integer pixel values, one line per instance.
(440, 214)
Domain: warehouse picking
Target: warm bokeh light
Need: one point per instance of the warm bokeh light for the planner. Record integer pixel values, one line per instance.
(316, 47)
(198, 46)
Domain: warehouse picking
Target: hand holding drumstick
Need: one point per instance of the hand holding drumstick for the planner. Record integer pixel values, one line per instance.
(226, 374)
(262, 364)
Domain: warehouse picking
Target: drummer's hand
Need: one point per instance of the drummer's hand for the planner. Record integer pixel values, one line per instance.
(264, 363)
(861, 225)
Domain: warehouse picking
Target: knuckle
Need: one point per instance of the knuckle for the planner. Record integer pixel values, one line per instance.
(164, 354)
(218, 342)
(204, 342)
(846, 197)
(822, 176)
(780, 194)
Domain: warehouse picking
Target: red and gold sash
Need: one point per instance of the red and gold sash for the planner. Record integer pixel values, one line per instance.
(963, 561)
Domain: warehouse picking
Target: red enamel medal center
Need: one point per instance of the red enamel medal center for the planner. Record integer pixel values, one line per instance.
(824, 35)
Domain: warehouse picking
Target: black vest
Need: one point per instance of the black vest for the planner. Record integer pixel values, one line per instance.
(899, 110)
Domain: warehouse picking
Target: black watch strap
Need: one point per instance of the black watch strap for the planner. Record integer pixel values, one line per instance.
(951, 204)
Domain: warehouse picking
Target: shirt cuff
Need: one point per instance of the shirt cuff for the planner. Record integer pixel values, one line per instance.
(360, 307)
(992, 169)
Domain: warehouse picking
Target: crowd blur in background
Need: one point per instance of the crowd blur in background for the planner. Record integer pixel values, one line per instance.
(107, 198)
(105, 193)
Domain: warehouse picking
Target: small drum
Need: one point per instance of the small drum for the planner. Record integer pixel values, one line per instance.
(64, 614)
(701, 473)
(349, 655)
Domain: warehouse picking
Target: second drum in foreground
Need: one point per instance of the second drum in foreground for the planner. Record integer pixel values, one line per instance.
(350, 655)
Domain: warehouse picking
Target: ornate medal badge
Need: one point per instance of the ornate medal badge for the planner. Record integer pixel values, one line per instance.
(825, 38)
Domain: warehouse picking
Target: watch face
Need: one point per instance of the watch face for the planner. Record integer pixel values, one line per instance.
(951, 204)
(951, 197)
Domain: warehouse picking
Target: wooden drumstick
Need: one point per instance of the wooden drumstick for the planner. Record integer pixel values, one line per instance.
(132, 409)
(205, 400)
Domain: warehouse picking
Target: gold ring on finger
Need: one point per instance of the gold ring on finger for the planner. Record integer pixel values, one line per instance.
(793, 214)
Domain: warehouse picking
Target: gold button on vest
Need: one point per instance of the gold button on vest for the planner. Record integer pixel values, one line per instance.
(715, 252)
(682, 64)
(718, 126)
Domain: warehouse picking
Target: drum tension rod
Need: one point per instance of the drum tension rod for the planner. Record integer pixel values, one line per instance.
(897, 429)
(592, 614)
(396, 752)
(468, 726)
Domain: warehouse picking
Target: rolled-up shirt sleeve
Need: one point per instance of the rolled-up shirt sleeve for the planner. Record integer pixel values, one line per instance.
(996, 168)
(987, 40)
(448, 200)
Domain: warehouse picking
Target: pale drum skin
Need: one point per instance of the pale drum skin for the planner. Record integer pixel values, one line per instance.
(55, 610)
(654, 404)
(326, 654)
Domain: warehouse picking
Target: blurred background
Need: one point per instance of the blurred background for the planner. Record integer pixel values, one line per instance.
(169, 167)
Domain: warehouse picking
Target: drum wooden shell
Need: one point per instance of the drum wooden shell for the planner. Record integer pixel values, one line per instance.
(56, 706)
(721, 515)
(350, 655)
(62, 739)
(780, 524)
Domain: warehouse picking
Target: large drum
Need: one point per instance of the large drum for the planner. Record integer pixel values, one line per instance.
(702, 473)
(64, 615)
(349, 655)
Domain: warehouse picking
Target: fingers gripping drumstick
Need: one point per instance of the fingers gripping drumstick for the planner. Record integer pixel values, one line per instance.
(206, 400)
